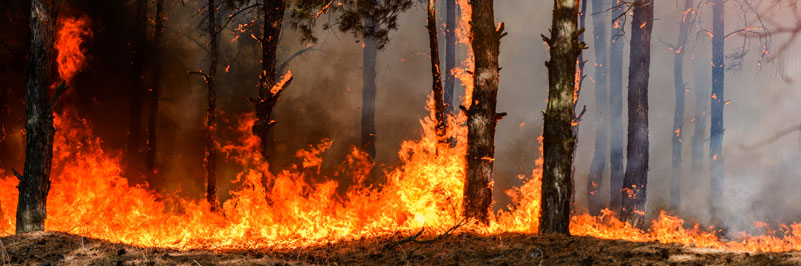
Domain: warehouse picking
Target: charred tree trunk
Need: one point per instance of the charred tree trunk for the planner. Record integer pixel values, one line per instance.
(439, 102)
(481, 116)
(558, 138)
(701, 81)
(369, 57)
(137, 93)
(636, 179)
(598, 164)
(717, 103)
(210, 159)
(273, 12)
(150, 159)
(34, 184)
(450, 55)
(616, 106)
(678, 116)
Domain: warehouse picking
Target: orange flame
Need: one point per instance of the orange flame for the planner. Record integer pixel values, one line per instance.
(72, 33)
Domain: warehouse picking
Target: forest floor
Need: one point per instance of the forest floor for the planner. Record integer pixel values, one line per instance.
(53, 248)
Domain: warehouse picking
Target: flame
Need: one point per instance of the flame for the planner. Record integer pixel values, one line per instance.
(72, 33)
(465, 73)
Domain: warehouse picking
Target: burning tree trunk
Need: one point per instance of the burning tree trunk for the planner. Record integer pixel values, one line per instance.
(439, 104)
(34, 184)
(701, 81)
(481, 116)
(717, 103)
(369, 57)
(601, 105)
(450, 54)
(616, 106)
(558, 138)
(273, 12)
(636, 178)
(150, 159)
(137, 65)
(678, 116)
(210, 159)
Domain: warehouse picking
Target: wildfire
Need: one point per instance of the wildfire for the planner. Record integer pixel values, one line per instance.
(89, 197)
(72, 33)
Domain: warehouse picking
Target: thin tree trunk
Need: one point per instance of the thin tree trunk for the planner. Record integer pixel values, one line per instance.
(558, 138)
(701, 80)
(34, 184)
(636, 179)
(137, 65)
(678, 116)
(150, 159)
(598, 164)
(273, 12)
(450, 55)
(481, 116)
(369, 57)
(3, 133)
(439, 104)
(616, 107)
(717, 103)
(210, 159)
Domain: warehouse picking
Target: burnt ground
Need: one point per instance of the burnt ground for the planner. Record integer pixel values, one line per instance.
(53, 248)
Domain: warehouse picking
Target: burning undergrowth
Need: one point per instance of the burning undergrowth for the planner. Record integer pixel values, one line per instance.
(89, 197)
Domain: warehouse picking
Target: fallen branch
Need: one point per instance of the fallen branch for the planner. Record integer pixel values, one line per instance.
(413, 238)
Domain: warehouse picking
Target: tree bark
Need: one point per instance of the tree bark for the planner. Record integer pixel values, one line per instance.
(481, 116)
(450, 55)
(558, 138)
(701, 81)
(210, 159)
(439, 102)
(273, 12)
(137, 64)
(598, 164)
(678, 116)
(717, 103)
(616, 107)
(369, 57)
(150, 159)
(636, 178)
(34, 184)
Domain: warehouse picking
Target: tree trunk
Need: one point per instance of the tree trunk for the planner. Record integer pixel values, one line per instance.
(439, 104)
(369, 57)
(150, 159)
(636, 179)
(273, 12)
(450, 55)
(137, 64)
(678, 116)
(616, 107)
(34, 184)
(717, 103)
(3, 134)
(701, 81)
(558, 138)
(210, 159)
(481, 116)
(598, 164)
